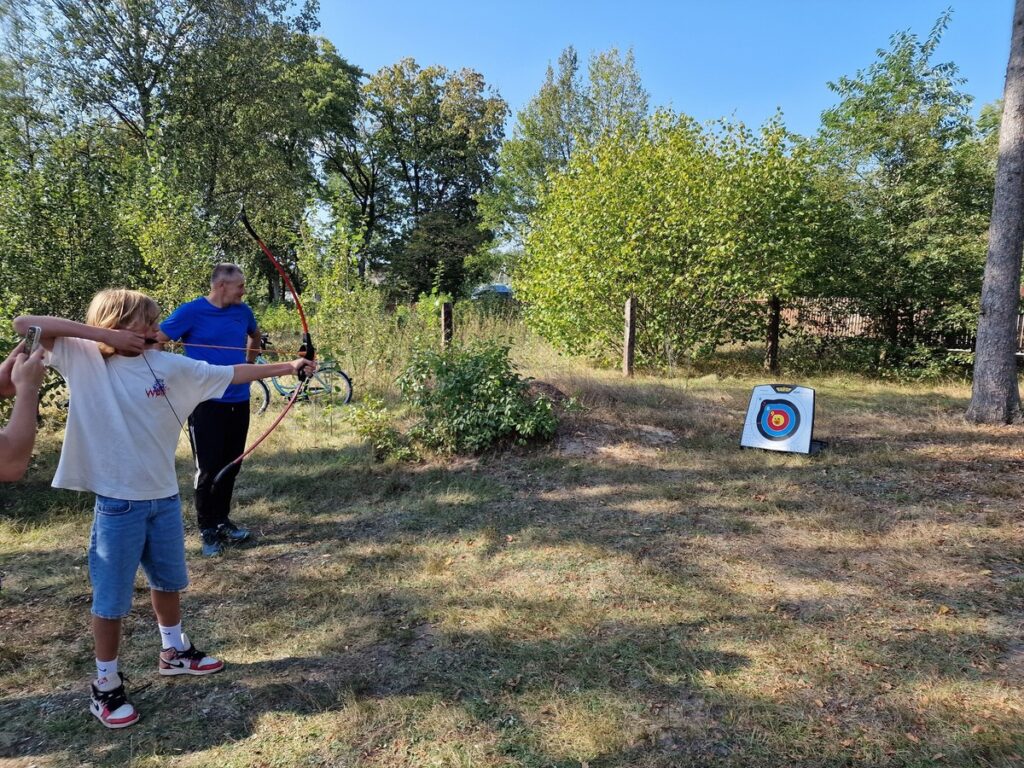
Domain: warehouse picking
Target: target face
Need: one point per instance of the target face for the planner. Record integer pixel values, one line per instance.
(778, 420)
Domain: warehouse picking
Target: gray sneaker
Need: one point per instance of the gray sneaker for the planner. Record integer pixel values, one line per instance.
(212, 545)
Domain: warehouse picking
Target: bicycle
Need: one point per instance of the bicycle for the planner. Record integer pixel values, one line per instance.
(328, 383)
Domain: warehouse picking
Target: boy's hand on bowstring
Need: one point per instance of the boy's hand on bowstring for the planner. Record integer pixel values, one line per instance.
(126, 341)
(27, 374)
(303, 365)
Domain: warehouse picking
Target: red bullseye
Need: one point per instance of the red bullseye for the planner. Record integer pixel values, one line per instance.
(778, 419)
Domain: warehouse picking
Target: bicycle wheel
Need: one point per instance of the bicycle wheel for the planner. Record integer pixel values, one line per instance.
(259, 397)
(332, 382)
(342, 386)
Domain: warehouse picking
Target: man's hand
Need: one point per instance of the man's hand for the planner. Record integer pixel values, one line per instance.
(126, 341)
(6, 386)
(302, 364)
(28, 372)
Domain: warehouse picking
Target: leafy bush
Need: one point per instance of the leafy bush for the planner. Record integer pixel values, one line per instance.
(277, 319)
(472, 398)
(375, 424)
(810, 354)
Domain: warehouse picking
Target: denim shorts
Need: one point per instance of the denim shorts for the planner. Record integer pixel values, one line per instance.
(126, 534)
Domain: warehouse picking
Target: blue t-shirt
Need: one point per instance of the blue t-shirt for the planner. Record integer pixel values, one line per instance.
(199, 322)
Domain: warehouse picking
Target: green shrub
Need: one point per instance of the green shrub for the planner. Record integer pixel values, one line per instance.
(277, 319)
(471, 398)
(375, 424)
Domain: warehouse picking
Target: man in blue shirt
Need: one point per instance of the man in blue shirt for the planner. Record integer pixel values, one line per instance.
(220, 329)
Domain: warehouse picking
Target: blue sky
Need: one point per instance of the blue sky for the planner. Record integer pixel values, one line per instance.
(709, 58)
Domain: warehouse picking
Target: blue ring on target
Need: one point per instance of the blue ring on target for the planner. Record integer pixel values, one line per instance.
(778, 419)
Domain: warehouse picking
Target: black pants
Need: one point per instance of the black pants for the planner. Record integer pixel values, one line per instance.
(218, 432)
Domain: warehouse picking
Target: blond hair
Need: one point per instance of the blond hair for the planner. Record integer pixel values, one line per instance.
(120, 308)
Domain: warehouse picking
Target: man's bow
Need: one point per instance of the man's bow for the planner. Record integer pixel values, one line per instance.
(306, 350)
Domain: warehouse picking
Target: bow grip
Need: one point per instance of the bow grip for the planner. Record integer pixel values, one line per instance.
(308, 351)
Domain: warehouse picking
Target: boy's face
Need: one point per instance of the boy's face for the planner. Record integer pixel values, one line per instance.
(144, 328)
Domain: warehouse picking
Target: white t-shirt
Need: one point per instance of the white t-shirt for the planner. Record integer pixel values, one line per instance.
(121, 434)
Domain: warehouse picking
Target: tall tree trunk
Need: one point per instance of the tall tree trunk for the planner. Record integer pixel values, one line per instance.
(995, 397)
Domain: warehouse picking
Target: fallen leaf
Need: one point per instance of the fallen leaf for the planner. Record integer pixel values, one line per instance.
(912, 737)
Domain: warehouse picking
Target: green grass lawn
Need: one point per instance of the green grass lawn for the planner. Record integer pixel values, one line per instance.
(640, 593)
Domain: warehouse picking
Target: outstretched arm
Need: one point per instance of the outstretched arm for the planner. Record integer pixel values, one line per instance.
(53, 327)
(17, 438)
(245, 372)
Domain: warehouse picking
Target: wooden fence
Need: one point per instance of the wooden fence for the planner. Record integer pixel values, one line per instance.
(838, 318)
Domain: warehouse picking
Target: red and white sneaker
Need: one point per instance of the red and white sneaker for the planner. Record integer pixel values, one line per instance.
(112, 707)
(191, 661)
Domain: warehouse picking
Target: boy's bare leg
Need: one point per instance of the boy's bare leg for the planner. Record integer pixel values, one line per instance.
(167, 606)
(179, 656)
(107, 635)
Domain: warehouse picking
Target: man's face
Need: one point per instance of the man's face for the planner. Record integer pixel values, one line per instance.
(233, 290)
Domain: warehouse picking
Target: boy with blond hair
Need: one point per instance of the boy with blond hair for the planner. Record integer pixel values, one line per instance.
(128, 400)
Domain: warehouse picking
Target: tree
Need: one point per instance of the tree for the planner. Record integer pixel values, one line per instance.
(995, 397)
(61, 230)
(213, 97)
(900, 154)
(244, 119)
(120, 56)
(615, 100)
(420, 152)
(564, 115)
(700, 225)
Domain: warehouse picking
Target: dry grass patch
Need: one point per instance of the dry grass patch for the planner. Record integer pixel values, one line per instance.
(642, 593)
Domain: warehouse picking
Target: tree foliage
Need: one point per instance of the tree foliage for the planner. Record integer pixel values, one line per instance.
(143, 125)
(566, 114)
(421, 151)
(904, 165)
(696, 223)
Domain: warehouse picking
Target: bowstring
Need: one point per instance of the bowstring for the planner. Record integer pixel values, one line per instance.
(163, 387)
(262, 352)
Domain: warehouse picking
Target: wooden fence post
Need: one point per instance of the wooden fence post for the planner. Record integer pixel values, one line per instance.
(447, 325)
(771, 352)
(629, 346)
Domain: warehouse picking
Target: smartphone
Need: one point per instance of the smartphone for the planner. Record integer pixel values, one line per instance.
(32, 338)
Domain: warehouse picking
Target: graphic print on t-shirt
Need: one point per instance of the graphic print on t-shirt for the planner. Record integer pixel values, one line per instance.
(159, 389)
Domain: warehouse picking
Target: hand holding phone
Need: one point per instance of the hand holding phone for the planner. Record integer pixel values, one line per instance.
(32, 338)
(28, 372)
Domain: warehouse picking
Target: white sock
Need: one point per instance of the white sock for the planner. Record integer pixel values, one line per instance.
(170, 637)
(107, 676)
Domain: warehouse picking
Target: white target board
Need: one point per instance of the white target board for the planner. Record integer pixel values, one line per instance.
(780, 417)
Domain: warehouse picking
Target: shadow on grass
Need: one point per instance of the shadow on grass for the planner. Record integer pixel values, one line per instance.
(662, 518)
(483, 674)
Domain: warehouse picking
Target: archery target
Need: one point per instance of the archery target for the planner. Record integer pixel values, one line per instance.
(779, 418)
